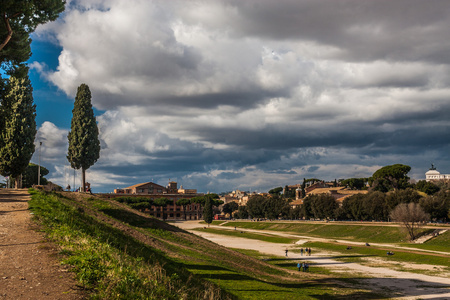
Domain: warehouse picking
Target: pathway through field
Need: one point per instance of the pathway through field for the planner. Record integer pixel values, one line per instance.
(29, 268)
(402, 285)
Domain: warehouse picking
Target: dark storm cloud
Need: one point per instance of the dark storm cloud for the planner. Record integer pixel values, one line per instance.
(362, 30)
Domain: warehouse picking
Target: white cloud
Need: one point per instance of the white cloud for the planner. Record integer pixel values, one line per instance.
(234, 87)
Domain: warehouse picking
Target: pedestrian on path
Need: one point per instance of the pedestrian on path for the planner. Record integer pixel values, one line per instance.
(301, 251)
(299, 266)
(286, 251)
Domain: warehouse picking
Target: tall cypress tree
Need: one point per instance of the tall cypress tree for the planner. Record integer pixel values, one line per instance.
(208, 210)
(84, 145)
(19, 128)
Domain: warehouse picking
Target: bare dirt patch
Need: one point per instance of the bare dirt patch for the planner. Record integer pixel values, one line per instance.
(29, 265)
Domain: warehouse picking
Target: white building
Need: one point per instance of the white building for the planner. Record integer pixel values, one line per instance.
(432, 175)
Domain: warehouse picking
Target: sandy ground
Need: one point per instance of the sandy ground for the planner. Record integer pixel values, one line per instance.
(29, 268)
(402, 285)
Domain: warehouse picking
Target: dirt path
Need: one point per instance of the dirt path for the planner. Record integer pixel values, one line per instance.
(29, 268)
(402, 285)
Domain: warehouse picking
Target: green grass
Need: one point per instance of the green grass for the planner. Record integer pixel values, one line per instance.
(218, 222)
(111, 264)
(354, 232)
(439, 243)
(358, 254)
(250, 235)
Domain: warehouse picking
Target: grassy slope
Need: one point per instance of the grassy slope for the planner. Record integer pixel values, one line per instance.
(119, 253)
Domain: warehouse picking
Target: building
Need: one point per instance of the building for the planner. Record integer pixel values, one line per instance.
(146, 188)
(434, 175)
(339, 193)
(152, 191)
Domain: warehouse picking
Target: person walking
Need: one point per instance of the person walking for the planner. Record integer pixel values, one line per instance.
(301, 251)
(299, 266)
(309, 251)
(286, 251)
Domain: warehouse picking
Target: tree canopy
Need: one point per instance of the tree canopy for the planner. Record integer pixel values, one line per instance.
(428, 188)
(30, 175)
(276, 191)
(391, 177)
(19, 18)
(354, 183)
(230, 207)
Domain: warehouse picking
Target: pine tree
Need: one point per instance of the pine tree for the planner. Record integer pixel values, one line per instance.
(84, 145)
(19, 128)
(208, 210)
(19, 20)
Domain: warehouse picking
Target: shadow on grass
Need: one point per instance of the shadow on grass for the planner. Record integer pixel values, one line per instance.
(139, 221)
(205, 267)
(317, 257)
(306, 288)
(227, 276)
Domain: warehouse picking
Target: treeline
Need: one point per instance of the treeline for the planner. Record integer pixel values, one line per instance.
(374, 205)
(388, 188)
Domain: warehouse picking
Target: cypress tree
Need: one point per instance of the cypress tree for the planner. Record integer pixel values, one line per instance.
(19, 128)
(84, 145)
(208, 210)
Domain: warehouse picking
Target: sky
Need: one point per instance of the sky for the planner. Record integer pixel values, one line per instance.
(226, 94)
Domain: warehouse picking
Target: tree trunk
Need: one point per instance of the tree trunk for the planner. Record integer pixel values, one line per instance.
(18, 182)
(83, 179)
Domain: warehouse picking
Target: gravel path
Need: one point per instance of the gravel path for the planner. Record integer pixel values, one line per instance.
(29, 268)
(402, 285)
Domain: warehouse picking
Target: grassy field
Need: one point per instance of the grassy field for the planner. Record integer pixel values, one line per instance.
(119, 253)
(354, 232)
(360, 254)
(402, 258)
(250, 235)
